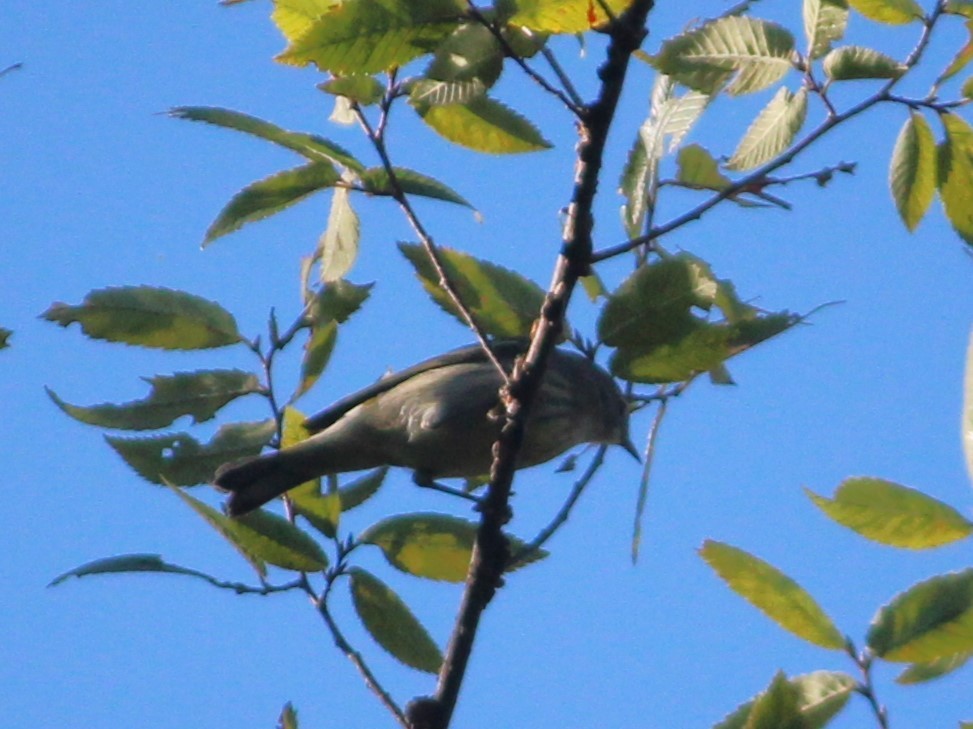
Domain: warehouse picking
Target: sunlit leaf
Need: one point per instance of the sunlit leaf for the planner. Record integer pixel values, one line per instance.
(485, 125)
(392, 624)
(890, 12)
(824, 22)
(888, 513)
(778, 707)
(294, 18)
(149, 317)
(956, 174)
(376, 181)
(772, 131)
(565, 16)
(929, 621)
(197, 394)
(962, 58)
(361, 88)
(698, 169)
(821, 695)
(774, 593)
(912, 170)
(338, 246)
(931, 670)
(849, 63)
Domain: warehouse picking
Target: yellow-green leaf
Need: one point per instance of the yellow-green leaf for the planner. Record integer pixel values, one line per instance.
(338, 246)
(923, 672)
(821, 695)
(824, 22)
(774, 593)
(850, 63)
(890, 12)
(778, 707)
(698, 169)
(772, 131)
(912, 170)
(483, 124)
(956, 174)
(564, 16)
(294, 18)
(888, 513)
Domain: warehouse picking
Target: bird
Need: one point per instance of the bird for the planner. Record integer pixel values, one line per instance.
(435, 419)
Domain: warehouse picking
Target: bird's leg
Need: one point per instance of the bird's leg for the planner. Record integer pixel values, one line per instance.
(424, 480)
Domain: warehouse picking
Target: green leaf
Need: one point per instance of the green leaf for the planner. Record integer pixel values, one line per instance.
(311, 146)
(376, 182)
(4, 337)
(338, 301)
(262, 537)
(367, 36)
(912, 170)
(270, 196)
(128, 563)
(338, 246)
(294, 18)
(484, 125)
(774, 593)
(434, 546)
(772, 131)
(966, 426)
(564, 16)
(424, 92)
(317, 354)
(471, 53)
(959, 7)
(956, 174)
(967, 89)
(392, 624)
(888, 513)
(698, 169)
(149, 317)
(890, 12)
(930, 670)
(850, 63)
(778, 707)
(362, 488)
(288, 717)
(962, 58)
(929, 621)
(502, 302)
(821, 695)
(361, 88)
(757, 53)
(198, 394)
(179, 458)
(825, 22)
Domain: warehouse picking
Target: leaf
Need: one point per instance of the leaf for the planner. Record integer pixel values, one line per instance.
(888, 513)
(311, 146)
(270, 196)
(338, 301)
(774, 593)
(338, 246)
(565, 16)
(929, 621)
(959, 7)
(317, 354)
(967, 89)
(471, 53)
(698, 169)
(392, 624)
(890, 12)
(198, 394)
(923, 672)
(434, 546)
(128, 563)
(149, 317)
(361, 88)
(825, 22)
(962, 58)
(288, 717)
(484, 125)
(362, 488)
(294, 18)
(849, 63)
(778, 707)
(179, 458)
(955, 178)
(821, 695)
(5, 337)
(262, 537)
(772, 131)
(502, 302)
(376, 182)
(754, 53)
(367, 36)
(912, 170)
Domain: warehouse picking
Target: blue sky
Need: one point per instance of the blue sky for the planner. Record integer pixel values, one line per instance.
(100, 189)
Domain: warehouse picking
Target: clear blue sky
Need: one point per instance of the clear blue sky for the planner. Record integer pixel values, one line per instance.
(98, 189)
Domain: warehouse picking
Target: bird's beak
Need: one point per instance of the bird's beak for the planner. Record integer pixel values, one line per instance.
(629, 446)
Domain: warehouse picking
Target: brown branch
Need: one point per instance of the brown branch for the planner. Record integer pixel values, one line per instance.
(491, 551)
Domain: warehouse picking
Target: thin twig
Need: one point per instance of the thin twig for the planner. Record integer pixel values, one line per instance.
(562, 76)
(644, 481)
(867, 688)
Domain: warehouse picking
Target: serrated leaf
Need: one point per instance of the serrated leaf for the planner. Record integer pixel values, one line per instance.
(912, 170)
(317, 354)
(754, 53)
(128, 563)
(367, 36)
(338, 301)
(502, 302)
(888, 513)
(361, 88)
(471, 53)
(179, 459)
(824, 23)
(929, 621)
(434, 546)
(778, 707)
(270, 196)
(565, 16)
(425, 92)
(890, 12)
(821, 696)
(698, 169)
(149, 317)
(197, 394)
(931, 670)
(955, 174)
(294, 18)
(484, 125)
(773, 593)
(772, 131)
(311, 146)
(392, 624)
(362, 488)
(850, 63)
(376, 181)
(338, 246)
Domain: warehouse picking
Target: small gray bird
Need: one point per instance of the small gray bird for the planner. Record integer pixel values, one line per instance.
(434, 419)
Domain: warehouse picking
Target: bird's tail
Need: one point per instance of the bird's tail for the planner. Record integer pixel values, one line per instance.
(255, 481)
